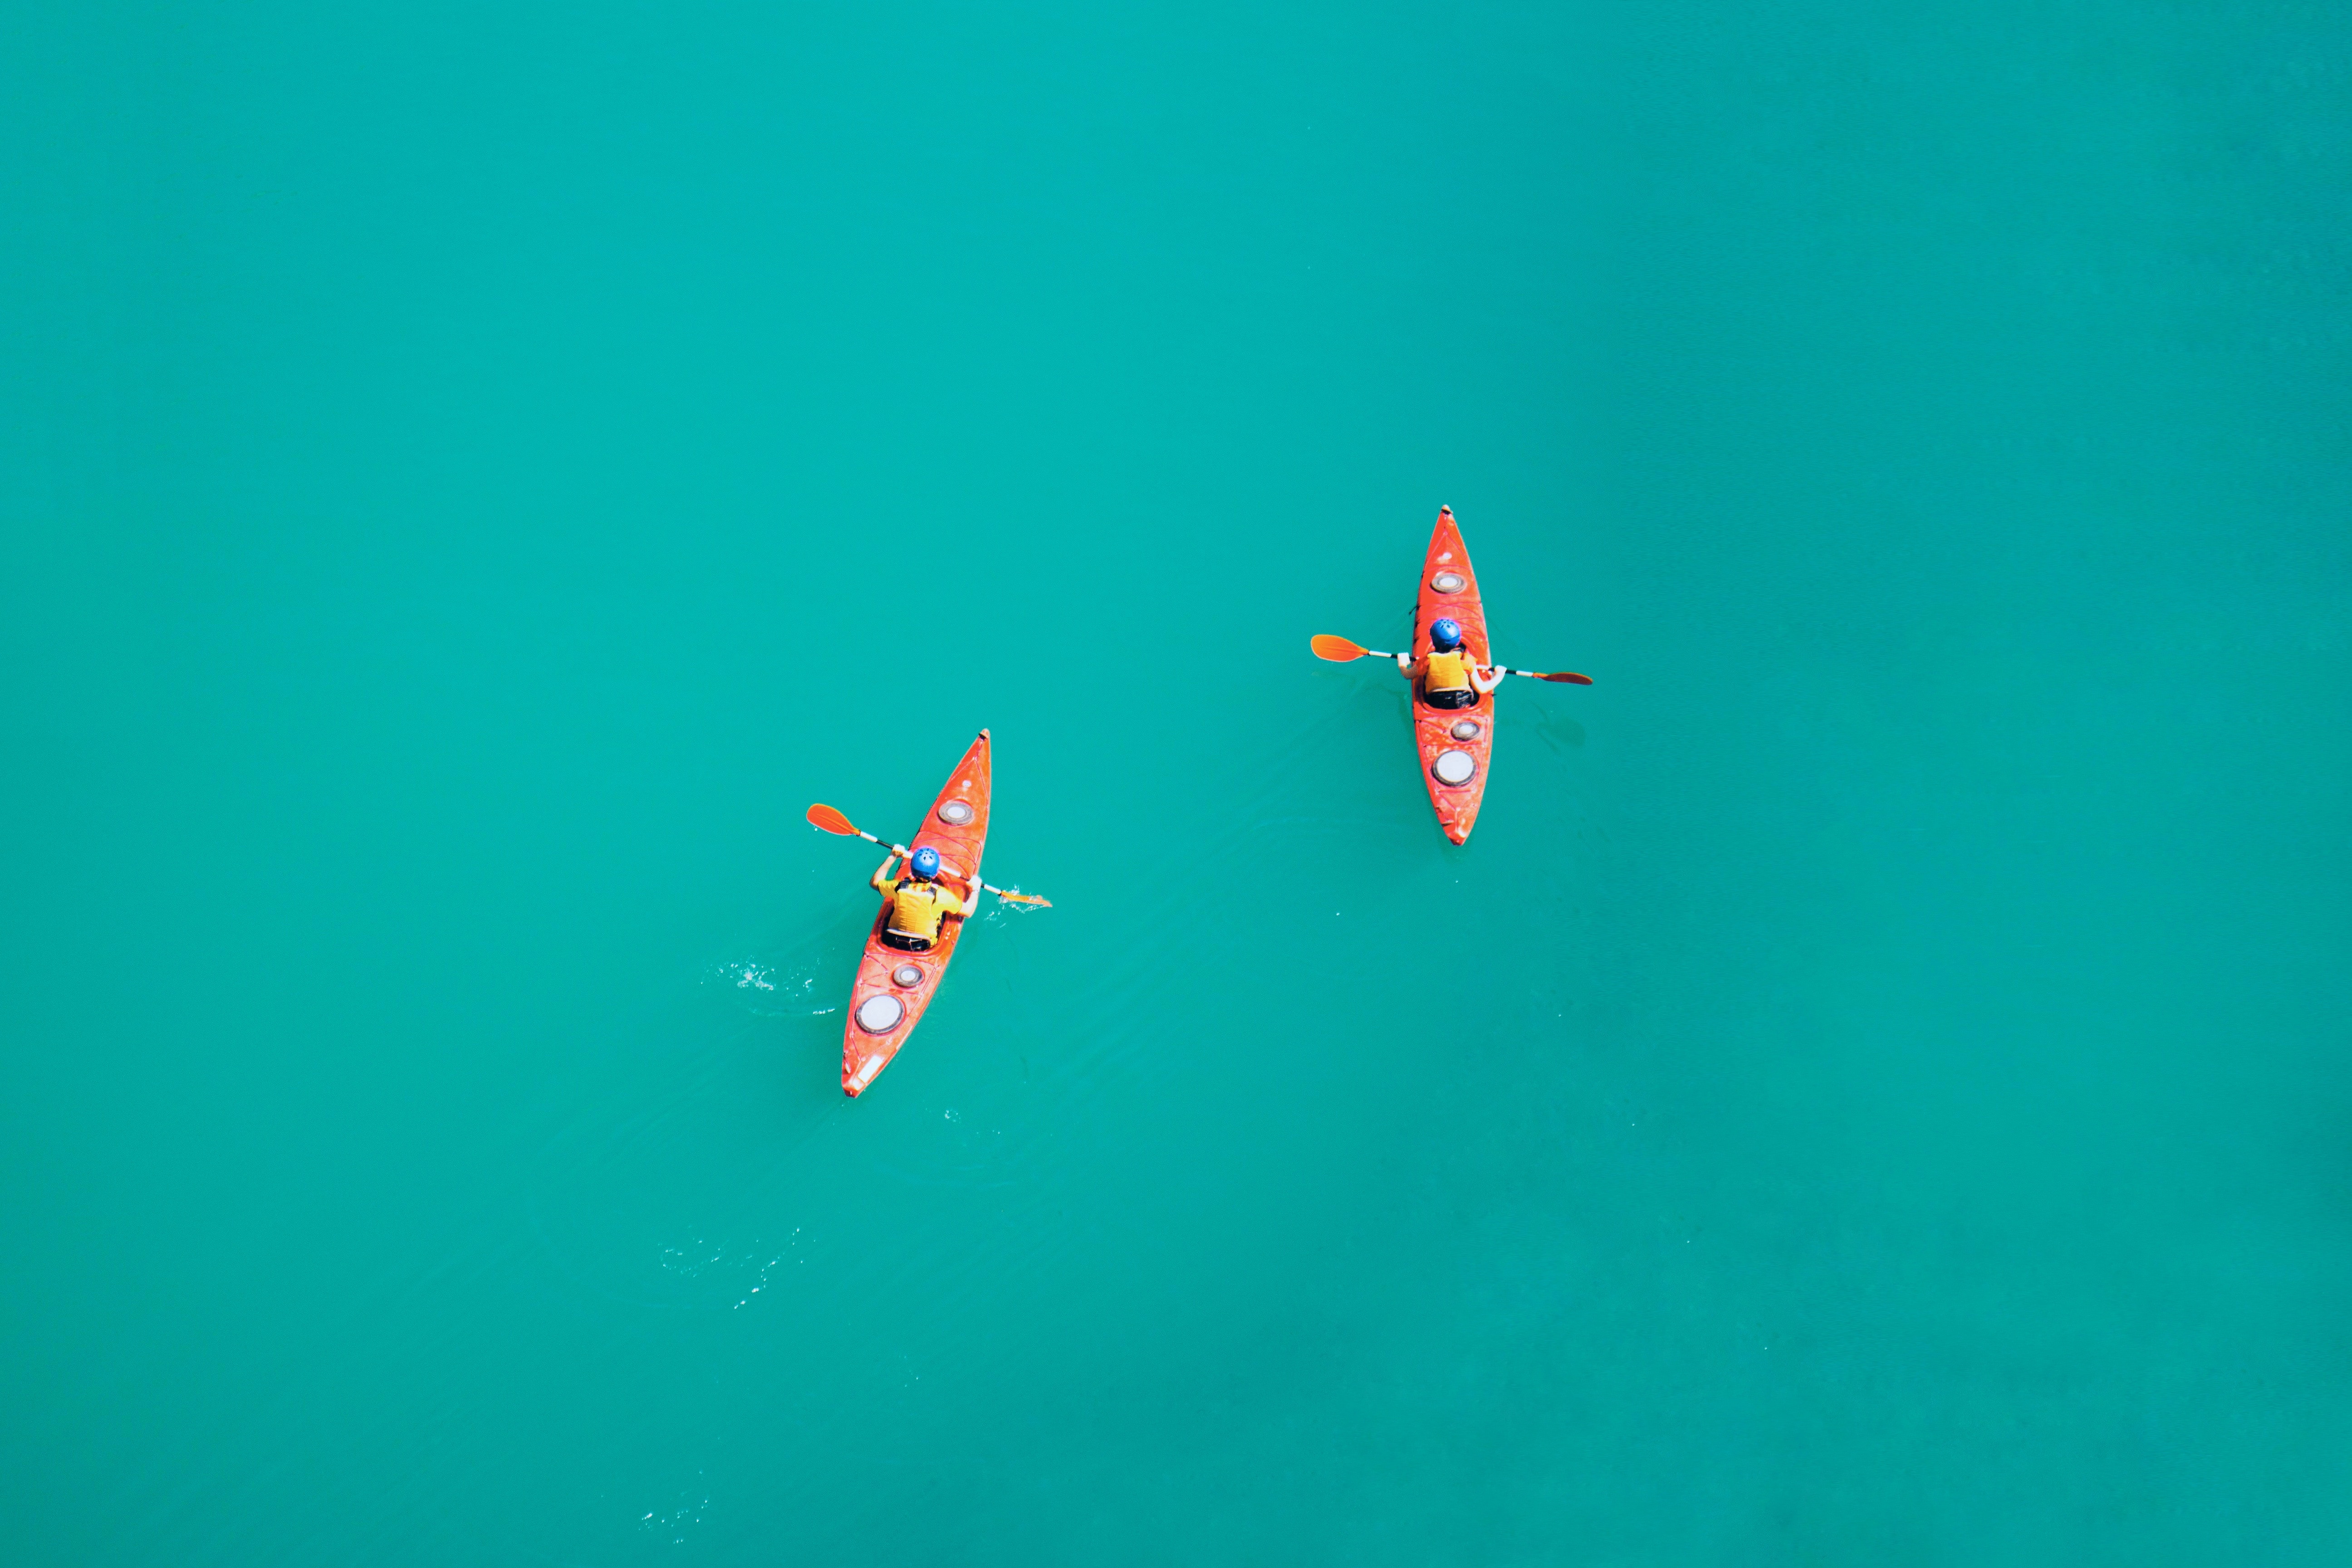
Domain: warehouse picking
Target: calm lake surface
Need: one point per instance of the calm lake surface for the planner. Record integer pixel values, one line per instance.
(1873, 1091)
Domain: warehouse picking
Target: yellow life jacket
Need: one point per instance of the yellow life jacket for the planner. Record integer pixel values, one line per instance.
(1446, 672)
(917, 908)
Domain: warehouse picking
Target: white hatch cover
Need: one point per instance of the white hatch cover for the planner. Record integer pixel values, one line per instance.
(1451, 768)
(879, 1014)
(1449, 582)
(906, 976)
(955, 813)
(1464, 730)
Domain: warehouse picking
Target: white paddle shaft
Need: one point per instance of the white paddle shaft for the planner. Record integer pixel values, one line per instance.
(944, 864)
(1531, 674)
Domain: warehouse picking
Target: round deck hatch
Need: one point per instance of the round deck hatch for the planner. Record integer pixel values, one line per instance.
(1451, 768)
(1464, 730)
(879, 1014)
(955, 813)
(1449, 582)
(906, 976)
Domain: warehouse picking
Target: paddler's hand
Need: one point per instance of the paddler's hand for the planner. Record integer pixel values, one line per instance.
(1404, 664)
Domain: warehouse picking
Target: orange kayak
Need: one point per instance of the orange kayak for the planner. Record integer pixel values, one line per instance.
(894, 987)
(1454, 742)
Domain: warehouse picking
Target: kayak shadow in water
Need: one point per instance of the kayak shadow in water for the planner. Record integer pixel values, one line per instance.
(1558, 732)
(1561, 732)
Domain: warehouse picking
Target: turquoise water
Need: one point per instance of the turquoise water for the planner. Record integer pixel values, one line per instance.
(1871, 1091)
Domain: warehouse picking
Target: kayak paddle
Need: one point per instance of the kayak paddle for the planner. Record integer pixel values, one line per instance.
(832, 821)
(1339, 651)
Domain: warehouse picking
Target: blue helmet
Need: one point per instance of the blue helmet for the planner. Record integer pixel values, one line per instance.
(1446, 633)
(925, 862)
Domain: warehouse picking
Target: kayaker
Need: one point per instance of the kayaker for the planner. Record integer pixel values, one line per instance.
(1446, 674)
(919, 901)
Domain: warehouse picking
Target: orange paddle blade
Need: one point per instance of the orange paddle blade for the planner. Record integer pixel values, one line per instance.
(832, 821)
(1339, 650)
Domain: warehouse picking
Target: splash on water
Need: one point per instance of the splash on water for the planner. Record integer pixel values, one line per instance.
(771, 989)
(1001, 909)
(724, 1271)
(686, 1511)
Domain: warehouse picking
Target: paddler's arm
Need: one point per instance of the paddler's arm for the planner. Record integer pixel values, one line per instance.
(882, 877)
(1489, 681)
(971, 894)
(1408, 666)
